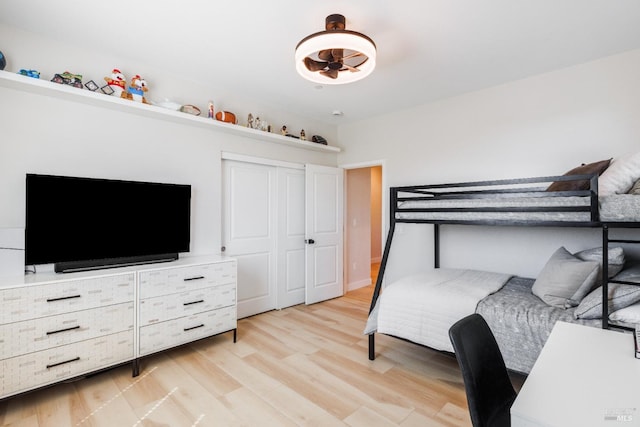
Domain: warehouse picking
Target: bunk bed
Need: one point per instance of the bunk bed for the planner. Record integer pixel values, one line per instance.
(520, 320)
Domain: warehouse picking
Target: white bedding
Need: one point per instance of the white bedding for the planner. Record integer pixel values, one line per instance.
(423, 307)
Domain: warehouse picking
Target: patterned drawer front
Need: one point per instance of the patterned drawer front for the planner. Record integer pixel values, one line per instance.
(172, 280)
(31, 302)
(53, 365)
(167, 307)
(179, 331)
(39, 334)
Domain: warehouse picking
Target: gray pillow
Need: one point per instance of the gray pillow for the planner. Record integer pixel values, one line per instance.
(620, 296)
(631, 273)
(615, 263)
(565, 279)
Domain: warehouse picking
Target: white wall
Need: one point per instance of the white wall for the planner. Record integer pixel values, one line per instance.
(543, 125)
(376, 213)
(42, 134)
(31, 51)
(358, 228)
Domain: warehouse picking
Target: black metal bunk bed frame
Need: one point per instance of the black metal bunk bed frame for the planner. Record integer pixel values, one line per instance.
(500, 188)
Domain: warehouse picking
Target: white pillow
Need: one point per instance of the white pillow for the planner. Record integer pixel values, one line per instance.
(620, 176)
(629, 314)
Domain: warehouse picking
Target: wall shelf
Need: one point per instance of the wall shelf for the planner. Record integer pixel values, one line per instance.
(44, 87)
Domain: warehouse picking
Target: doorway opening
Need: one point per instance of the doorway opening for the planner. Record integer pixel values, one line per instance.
(363, 224)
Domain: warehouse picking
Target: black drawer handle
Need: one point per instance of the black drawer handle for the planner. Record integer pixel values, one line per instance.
(63, 298)
(63, 330)
(75, 359)
(193, 302)
(194, 327)
(187, 279)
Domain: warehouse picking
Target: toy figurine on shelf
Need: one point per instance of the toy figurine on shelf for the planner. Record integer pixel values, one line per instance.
(30, 73)
(137, 88)
(283, 130)
(210, 114)
(303, 136)
(227, 117)
(117, 83)
(250, 121)
(68, 78)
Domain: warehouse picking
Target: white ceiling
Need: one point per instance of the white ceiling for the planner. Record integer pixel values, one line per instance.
(427, 49)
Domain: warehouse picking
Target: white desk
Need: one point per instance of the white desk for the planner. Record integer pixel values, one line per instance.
(584, 377)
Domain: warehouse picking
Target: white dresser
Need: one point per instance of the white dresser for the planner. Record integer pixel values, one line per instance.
(54, 327)
(184, 302)
(59, 326)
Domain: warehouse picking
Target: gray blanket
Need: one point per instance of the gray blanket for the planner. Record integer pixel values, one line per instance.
(521, 322)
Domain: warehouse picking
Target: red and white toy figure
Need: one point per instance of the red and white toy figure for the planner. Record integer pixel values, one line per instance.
(117, 82)
(137, 88)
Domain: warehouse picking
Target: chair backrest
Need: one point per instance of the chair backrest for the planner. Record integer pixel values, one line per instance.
(486, 380)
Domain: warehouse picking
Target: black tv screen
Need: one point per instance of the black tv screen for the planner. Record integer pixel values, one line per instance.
(74, 221)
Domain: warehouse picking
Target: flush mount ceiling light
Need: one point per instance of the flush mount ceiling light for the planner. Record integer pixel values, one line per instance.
(336, 55)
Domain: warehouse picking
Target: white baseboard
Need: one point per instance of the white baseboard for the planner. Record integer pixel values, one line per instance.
(359, 284)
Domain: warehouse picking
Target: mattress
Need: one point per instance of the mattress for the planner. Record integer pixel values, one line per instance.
(519, 320)
(615, 208)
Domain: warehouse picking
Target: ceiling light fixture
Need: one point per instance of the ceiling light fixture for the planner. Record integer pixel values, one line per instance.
(336, 55)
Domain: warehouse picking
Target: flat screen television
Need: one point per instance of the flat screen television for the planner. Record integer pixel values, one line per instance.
(89, 223)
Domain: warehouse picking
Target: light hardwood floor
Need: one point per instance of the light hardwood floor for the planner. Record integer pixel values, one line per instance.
(302, 366)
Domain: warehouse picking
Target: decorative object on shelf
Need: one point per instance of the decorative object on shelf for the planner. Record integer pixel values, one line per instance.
(107, 90)
(68, 78)
(227, 117)
(303, 136)
(3, 61)
(250, 121)
(336, 55)
(283, 130)
(190, 109)
(136, 90)
(116, 82)
(30, 73)
(91, 85)
(210, 112)
(319, 140)
(168, 104)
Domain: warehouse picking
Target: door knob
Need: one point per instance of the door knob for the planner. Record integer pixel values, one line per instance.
(310, 241)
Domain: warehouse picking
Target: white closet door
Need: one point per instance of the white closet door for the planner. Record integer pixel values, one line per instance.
(249, 232)
(323, 205)
(291, 247)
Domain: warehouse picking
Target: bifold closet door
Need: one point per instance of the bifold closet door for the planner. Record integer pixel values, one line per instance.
(284, 226)
(249, 220)
(291, 229)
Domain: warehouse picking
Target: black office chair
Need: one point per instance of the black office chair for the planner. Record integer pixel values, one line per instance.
(490, 393)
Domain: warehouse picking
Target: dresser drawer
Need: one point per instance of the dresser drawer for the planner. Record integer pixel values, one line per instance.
(168, 334)
(30, 302)
(39, 334)
(168, 281)
(166, 307)
(56, 364)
